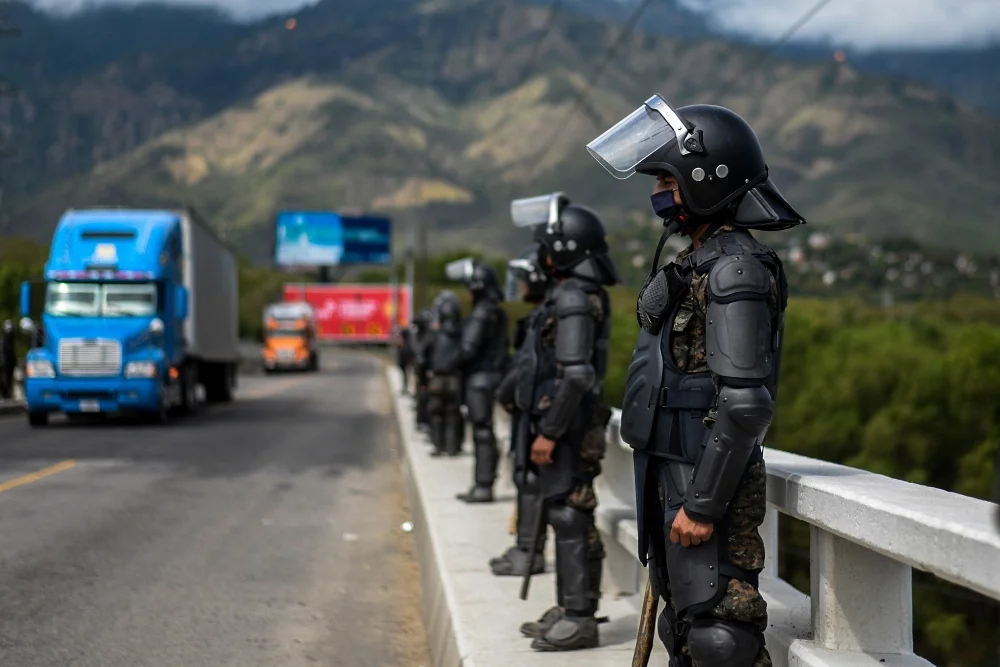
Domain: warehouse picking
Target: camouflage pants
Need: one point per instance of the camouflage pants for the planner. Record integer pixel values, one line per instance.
(742, 602)
(593, 446)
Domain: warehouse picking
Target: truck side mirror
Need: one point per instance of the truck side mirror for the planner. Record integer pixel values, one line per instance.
(25, 299)
(182, 303)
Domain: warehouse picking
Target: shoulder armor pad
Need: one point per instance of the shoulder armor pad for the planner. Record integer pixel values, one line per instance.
(741, 274)
(571, 300)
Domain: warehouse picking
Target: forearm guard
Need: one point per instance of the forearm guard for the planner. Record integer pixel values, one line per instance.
(576, 382)
(574, 352)
(743, 416)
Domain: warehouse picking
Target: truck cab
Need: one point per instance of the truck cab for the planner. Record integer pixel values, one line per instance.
(290, 338)
(111, 314)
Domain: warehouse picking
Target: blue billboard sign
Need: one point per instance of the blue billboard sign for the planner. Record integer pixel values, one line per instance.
(325, 238)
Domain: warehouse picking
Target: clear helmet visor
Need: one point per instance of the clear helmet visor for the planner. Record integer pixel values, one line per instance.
(460, 270)
(637, 136)
(518, 272)
(541, 210)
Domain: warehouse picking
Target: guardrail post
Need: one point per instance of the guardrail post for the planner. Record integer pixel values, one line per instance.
(18, 390)
(769, 533)
(861, 600)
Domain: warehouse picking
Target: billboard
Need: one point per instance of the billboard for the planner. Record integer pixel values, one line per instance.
(325, 238)
(354, 313)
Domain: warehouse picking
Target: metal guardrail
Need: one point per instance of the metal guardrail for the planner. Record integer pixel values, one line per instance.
(867, 533)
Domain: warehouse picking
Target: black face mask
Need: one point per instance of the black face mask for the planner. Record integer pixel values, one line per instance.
(664, 206)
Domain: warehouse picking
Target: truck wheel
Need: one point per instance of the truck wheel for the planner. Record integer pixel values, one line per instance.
(227, 380)
(36, 419)
(189, 392)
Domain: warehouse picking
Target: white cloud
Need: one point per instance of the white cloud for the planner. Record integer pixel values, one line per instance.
(240, 9)
(861, 24)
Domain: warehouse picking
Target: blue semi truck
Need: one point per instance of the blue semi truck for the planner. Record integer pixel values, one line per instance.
(138, 308)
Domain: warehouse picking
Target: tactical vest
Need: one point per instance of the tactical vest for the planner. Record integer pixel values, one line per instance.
(664, 410)
(538, 371)
(535, 363)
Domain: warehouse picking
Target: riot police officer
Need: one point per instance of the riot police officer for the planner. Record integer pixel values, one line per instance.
(445, 382)
(563, 391)
(700, 389)
(421, 340)
(483, 360)
(526, 280)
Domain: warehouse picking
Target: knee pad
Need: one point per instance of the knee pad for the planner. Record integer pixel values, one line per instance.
(483, 435)
(665, 626)
(715, 643)
(567, 521)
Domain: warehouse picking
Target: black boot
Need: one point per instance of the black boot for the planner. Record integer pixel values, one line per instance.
(516, 564)
(477, 494)
(502, 557)
(569, 633)
(454, 433)
(537, 629)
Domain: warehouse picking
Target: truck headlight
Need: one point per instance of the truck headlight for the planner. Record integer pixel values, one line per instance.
(39, 368)
(141, 369)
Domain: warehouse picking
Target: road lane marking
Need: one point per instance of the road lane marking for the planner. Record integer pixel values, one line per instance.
(35, 476)
(271, 389)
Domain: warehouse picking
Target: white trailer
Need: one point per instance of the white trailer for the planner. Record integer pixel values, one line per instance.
(212, 328)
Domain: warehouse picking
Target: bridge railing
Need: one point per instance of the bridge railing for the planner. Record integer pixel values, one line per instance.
(868, 532)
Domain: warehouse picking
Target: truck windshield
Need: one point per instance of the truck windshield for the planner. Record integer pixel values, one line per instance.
(101, 300)
(286, 333)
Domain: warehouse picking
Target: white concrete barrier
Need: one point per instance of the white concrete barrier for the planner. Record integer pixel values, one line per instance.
(868, 531)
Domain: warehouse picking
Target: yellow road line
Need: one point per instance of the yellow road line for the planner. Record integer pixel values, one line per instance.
(35, 476)
(271, 389)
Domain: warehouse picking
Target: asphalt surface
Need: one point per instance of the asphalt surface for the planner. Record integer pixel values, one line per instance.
(262, 533)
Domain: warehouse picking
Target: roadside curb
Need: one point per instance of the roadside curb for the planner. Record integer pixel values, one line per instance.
(470, 616)
(12, 408)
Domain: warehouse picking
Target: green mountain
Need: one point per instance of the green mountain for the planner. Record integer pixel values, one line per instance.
(420, 110)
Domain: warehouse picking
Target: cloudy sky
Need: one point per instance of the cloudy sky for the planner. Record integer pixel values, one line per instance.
(243, 9)
(863, 24)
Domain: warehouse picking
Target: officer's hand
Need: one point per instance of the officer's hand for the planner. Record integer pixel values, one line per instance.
(688, 532)
(508, 408)
(541, 451)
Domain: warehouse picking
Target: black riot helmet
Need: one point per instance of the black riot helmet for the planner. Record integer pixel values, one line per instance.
(526, 269)
(712, 152)
(448, 312)
(571, 238)
(480, 278)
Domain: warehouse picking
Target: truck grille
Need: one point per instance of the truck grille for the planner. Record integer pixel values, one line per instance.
(90, 357)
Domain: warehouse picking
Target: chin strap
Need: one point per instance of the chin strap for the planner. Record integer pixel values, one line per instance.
(669, 229)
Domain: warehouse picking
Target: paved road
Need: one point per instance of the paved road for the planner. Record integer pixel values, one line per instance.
(263, 533)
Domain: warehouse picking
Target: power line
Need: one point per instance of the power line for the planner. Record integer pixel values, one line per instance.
(532, 59)
(788, 34)
(581, 98)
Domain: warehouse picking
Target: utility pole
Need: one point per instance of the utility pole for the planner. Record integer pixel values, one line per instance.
(7, 29)
(411, 252)
(424, 300)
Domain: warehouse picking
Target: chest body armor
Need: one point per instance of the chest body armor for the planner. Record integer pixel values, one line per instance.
(445, 349)
(493, 357)
(665, 408)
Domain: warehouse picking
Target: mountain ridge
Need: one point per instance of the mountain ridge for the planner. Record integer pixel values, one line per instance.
(343, 112)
